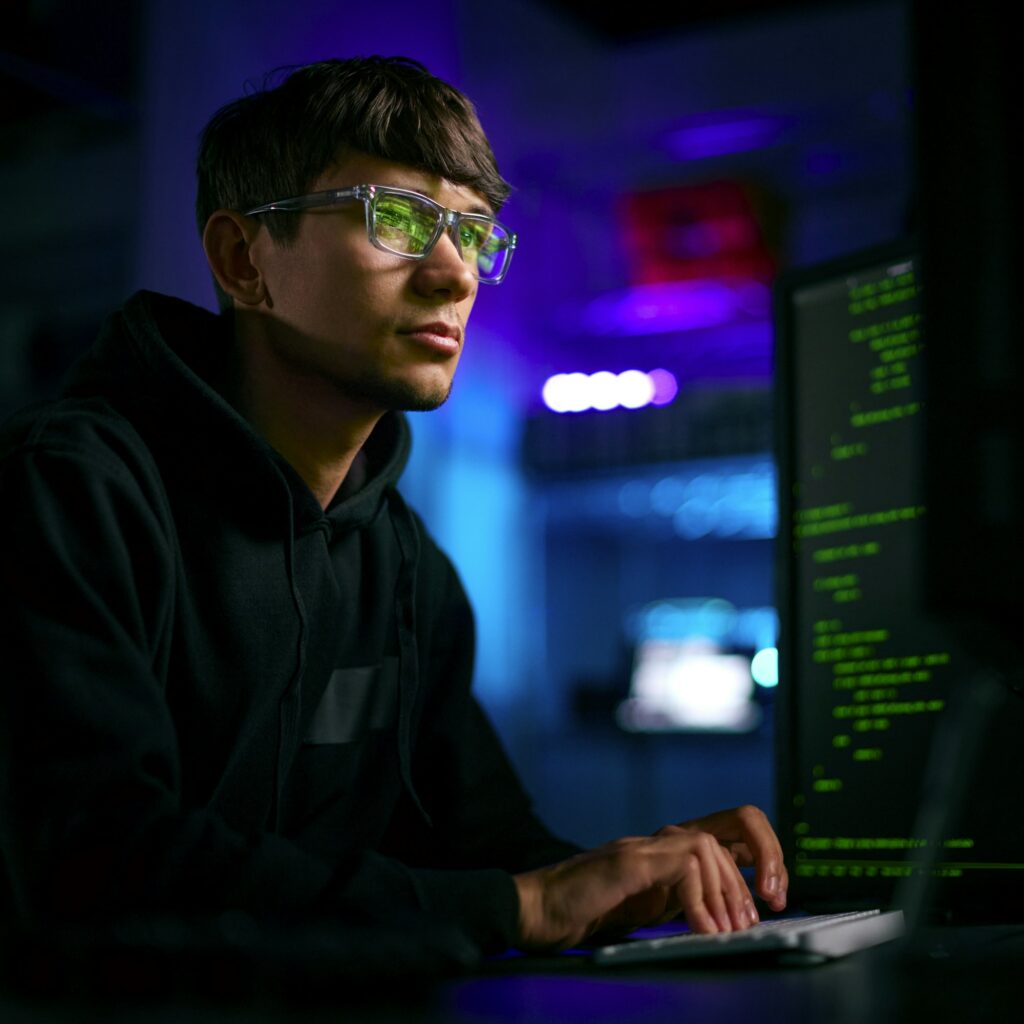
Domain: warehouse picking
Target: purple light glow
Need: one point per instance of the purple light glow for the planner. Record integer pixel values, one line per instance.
(720, 133)
(675, 307)
(665, 387)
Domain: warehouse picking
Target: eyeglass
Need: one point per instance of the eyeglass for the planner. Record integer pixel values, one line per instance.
(408, 224)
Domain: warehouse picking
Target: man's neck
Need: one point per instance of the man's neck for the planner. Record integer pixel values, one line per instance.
(317, 430)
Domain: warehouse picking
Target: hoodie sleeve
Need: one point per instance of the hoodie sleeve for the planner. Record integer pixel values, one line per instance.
(481, 818)
(91, 819)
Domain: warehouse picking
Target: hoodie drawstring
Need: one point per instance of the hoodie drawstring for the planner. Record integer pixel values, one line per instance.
(405, 607)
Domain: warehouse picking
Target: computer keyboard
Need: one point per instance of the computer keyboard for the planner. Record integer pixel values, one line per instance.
(824, 936)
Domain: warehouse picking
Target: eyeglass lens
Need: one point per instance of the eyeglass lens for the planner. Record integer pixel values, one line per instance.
(406, 225)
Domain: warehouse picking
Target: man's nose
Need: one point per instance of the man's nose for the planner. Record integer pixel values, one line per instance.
(444, 269)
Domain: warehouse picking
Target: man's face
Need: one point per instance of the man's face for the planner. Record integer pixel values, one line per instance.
(379, 331)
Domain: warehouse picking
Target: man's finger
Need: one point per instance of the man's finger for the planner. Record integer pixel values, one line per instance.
(749, 826)
(690, 892)
(736, 893)
(713, 883)
(723, 894)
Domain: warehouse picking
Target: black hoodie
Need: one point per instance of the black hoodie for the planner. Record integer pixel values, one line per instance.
(218, 696)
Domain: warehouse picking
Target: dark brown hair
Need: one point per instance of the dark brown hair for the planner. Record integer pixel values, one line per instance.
(276, 141)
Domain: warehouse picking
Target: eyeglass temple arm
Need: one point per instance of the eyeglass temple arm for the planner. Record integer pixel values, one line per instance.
(328, 198)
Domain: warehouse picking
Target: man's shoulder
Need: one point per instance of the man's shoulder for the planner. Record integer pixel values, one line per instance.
(89, 430)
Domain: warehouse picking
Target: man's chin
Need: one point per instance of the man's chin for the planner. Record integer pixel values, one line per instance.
(423, 406)
(401, 396)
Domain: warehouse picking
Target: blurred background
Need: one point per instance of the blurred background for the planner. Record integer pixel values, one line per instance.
(603, 475)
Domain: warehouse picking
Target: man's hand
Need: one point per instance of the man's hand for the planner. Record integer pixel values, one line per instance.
(689, 869)
(750, 840)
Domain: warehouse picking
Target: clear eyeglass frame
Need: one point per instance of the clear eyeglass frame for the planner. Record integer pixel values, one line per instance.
(494, 242)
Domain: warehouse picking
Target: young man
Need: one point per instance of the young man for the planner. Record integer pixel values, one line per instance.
(237, 667)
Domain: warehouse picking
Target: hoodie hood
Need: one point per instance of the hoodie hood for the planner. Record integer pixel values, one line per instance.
(165, 364)
(224, 694)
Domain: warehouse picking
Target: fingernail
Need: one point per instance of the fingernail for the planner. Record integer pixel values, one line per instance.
(752, 914)
(772, 885)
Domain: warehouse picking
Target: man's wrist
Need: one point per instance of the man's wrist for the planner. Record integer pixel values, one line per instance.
(529, 890)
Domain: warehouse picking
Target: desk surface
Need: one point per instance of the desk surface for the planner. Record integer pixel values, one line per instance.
(949, 980)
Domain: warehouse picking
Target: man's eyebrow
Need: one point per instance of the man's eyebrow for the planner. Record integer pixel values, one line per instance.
(477, 206)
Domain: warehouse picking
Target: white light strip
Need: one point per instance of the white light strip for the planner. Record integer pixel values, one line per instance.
(631, 389)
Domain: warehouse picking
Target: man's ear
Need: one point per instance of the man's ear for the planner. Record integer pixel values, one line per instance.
(227, 240)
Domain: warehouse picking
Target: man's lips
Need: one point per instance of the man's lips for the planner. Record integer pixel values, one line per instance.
(437, 334)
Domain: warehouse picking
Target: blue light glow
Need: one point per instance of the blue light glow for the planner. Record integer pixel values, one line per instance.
(764, 667)
(738, 504)
(737, 492)
(711, 619)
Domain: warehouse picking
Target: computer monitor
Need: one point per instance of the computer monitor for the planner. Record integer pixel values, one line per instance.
(968, 94)
(689, 684)
(868, 669)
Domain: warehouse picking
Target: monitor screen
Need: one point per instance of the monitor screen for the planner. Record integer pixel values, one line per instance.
(970, 215)
(689, 684)
(866, 674)
(695, 663)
